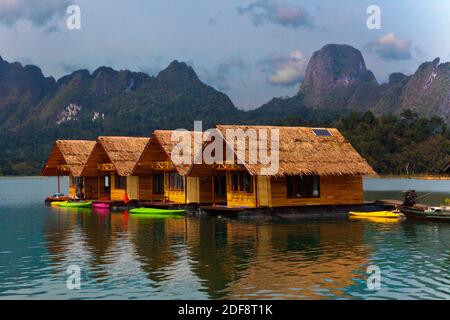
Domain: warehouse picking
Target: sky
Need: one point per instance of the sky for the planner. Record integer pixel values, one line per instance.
(253, 50)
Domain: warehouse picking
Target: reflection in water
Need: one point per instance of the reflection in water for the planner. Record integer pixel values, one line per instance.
(229, 258)
(124, 256)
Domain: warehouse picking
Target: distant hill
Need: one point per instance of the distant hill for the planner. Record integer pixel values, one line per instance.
(337, 80)
(35, 110)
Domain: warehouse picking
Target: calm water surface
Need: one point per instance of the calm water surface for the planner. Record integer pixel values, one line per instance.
(122, 257)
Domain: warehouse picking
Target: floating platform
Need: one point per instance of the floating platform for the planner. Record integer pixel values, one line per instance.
(312, 212)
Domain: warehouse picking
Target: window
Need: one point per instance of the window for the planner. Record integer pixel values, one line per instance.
(107, 183)
(303, 187)
(176, 182)
(220, 185)
(322, 132)
(76, 181)
(241, 182)
(120, 182)
(158, 183)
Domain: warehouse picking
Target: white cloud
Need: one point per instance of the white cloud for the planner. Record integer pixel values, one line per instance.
(389, 47)
(38, 12)
(285, 70)
(277, 12)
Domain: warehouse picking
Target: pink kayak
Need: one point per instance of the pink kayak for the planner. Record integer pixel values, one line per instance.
(101, 205)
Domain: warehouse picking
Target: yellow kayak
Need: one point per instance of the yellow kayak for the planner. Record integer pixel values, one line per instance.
(57, 203)
(375, 214)
(377, 220)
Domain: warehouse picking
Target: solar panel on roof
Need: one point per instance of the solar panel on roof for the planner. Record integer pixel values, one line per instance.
(322, 132)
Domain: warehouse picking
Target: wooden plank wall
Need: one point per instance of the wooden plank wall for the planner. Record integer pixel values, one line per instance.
(72, 188)
(205, 189)
(333, 191)
(91, 188)
(133, 187)
(145, 184)
(145, 192)
(176, 196)
(239, 199)
(264, 198)
(193, 194)
(116, 194)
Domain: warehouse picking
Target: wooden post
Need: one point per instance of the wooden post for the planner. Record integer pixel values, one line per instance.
(255, 185)
(59, 183)
(151, 187)
(213, 190)
(98, 185)
(185, 190)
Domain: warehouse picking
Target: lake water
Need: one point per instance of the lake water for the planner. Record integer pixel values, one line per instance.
(121, 257)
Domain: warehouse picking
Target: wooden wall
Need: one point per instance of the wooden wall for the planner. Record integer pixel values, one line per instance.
(133, 187)
(336, 190)
(116, 194)
(205, 190)
(176, 196)
(339, 190)
(263, 185)
(193, 193)
(239, 199)
(72, 188)
(91, 188)
(145, 189)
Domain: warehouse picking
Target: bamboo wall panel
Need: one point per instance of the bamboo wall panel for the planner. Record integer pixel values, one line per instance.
(133, 187)
(176, 196)
(193, 195)
(205, 189)
(72, 191)
(145, 183)
(334, 190)
(264, 199)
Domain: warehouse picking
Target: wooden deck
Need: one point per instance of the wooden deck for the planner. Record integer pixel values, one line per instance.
(389, 202)
(294, 211)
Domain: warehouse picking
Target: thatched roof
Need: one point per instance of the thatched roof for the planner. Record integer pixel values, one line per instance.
(160, 148)
(302, 152)
(122, 152)
(73, 153)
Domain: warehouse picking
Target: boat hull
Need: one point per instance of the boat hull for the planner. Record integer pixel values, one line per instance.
(87, 204)
(101, 205)
(154, 211)
(412, 213)
(376, 214)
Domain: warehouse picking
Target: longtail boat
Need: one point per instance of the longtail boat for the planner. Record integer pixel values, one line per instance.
(426, 213)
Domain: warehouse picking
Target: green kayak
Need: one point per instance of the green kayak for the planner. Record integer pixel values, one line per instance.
(154, 211)
(74, 204)
(156, 216)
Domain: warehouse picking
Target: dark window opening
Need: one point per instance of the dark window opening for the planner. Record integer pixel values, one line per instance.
(303, 187)
(241, 182)
(76, 181)
(175, 181)
(158, 183)
(220, 186)
(120, 182)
